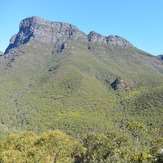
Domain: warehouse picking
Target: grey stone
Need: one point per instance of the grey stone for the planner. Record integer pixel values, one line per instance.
(110, 40)
(96, 38)
(117, 40)
(35, 28)
(57, 33)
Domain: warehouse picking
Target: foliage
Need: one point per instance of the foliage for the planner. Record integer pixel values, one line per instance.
(136, 129)
(51, 146)
(42, 89)
(55, 146)
(103, 147)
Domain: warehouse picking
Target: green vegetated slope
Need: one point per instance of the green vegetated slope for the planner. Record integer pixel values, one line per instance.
(42, 88)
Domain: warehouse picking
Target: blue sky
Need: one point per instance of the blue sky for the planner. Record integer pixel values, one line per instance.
(139, 21)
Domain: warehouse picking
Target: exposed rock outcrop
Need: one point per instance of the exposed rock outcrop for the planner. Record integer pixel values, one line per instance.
(36, 28)
(119, 84)
(110, 40)
(117, 40)
(96, 38)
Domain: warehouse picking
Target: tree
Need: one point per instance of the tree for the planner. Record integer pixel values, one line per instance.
(51, 146)
(59, 146)
(157, 145)
(136, 129)
(104, 148)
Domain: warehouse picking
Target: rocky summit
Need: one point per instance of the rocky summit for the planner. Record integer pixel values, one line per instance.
(36, 28)
(110, 40)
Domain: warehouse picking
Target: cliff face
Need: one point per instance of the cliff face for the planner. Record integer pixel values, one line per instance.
(110, 40)
(35, 28)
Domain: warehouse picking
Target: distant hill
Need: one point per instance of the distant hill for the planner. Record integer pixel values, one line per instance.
(54, 76)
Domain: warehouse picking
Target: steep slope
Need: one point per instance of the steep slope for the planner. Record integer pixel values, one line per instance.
(55, 76)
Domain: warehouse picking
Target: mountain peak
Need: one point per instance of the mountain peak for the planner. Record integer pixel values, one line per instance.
(109, 40)
(39, 29)
(96, 38)
(117, 40)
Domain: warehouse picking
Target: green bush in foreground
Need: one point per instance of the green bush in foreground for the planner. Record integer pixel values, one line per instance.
(57, 147)
(51, 146)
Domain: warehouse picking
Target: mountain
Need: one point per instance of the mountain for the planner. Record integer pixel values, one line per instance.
(54, 76)
(38, 29)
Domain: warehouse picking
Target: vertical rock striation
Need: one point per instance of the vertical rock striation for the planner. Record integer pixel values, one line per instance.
(36, 28)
